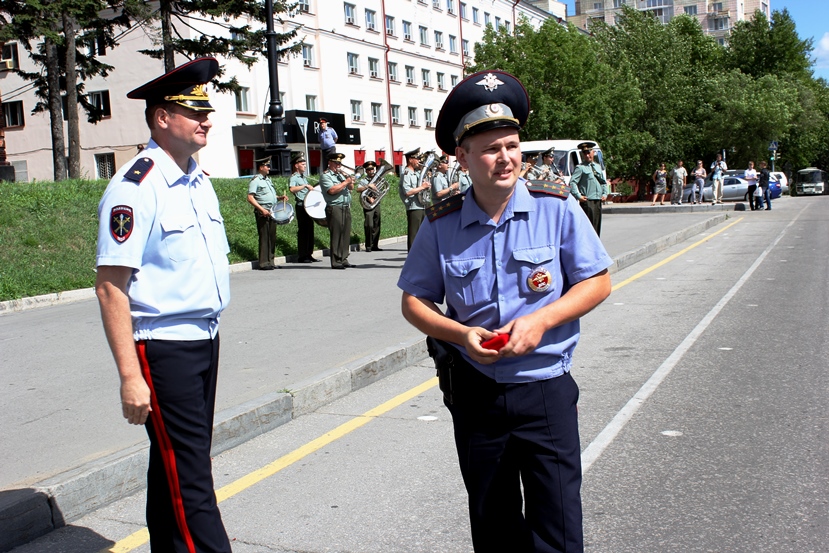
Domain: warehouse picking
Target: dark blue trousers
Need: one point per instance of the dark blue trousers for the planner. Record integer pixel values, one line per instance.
(182, 515)
(513, 434)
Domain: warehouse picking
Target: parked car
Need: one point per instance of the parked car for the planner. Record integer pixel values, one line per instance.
(781, 177)
(734, 189)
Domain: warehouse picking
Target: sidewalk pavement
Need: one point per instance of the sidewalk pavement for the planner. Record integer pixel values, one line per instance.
(292, 341)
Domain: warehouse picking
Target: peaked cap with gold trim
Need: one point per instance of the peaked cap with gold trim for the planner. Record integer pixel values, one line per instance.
(184, 85)
(481, 102)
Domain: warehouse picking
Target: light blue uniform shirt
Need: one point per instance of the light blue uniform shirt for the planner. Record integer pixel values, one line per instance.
(481, 270)
(177, 249)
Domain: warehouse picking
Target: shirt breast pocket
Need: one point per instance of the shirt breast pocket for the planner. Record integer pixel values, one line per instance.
(179, 235)
(537, 272)
(219, 235)
(466, 282)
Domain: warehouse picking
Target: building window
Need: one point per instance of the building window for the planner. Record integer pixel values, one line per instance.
(14, 113)
(100, 99)
(721, 41)
(407, 31)
(764, 7)
(438, 40)
(97, 46)
(412, 116)
(691, 10)
(393, 71)
(424, 36)
(376, 113)
(427, 78)
(353, 64)
(427, 116)
(371, 20)
(307, 55)
(486, 19)
(598, 5)
(410, 78)
(395, 115)
(390, 25)
(618, 3)
(105, 165)
(716, 24)
(350, 14)
(9, 59)
(465, 46)
(454, 80)
(462, 8)
(436, 4)
(453, 45)
(310, 102)
(715, 6)
(441, 81)
(374, 68)
(507, 26)
(497, 23)
(476, 16)
(304, 6)
(356, 110)
(243, 99)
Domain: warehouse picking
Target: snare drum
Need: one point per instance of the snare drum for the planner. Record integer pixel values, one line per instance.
(314, 203)
(282, 212)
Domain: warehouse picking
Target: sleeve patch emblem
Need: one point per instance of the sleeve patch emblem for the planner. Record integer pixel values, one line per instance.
(121, 223)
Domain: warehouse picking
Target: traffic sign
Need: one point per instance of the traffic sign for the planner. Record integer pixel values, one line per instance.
(773, 146)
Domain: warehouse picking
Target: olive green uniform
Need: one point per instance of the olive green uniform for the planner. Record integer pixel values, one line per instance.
(338, 213)
(588, 182)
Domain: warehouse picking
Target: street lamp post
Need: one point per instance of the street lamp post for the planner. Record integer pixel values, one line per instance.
(281, 155)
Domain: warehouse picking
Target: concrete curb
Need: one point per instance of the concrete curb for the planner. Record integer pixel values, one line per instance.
(26, 514)
(29, 513)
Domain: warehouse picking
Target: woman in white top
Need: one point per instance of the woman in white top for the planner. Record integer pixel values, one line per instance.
(751, 178)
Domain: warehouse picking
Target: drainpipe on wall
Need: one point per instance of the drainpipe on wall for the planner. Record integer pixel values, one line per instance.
(388, 84)
(514, 20)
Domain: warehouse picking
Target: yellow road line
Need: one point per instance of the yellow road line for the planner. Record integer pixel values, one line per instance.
(672, 257)
(142, 536)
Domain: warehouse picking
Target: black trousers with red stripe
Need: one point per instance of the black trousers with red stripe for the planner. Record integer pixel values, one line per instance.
(182, 515)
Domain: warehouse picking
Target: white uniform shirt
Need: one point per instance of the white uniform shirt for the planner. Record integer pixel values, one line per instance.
(169, 230)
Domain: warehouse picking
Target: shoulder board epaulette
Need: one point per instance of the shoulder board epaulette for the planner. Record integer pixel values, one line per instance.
(546, 187)
(438, 210)
(139, 169)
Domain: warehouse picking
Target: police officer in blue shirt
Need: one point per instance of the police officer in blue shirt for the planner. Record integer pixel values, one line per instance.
(162, 282)
(522, 264)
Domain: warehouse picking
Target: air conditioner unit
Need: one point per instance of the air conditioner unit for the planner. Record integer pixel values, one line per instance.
(6, 65)
(439, 45)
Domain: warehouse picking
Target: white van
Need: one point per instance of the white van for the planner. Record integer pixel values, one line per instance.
(809, 181)
(566, 154)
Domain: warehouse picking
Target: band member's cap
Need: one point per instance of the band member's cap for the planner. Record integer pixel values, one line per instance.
(184, 85)
(263, 161)
(336, 157)
(323, 120)
(369, 165)
(297, 157)
(586, 146)
(481, 102)
(443, 159)
(413, 153)
(547, 153)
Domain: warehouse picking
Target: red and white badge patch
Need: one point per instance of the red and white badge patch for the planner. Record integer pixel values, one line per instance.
(540, 280)
(121, 222)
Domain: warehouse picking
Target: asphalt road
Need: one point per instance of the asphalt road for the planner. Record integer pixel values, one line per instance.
(704, 422)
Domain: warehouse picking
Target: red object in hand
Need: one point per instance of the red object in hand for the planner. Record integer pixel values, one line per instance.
(496, 343)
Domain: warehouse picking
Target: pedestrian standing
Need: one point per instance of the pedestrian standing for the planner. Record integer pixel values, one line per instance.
(718, 169)
(751, 179)
(699, 182)
(163, 280)
(660, 184)
(328, 143)
(519, 262)
(679, 178)
(763, 182)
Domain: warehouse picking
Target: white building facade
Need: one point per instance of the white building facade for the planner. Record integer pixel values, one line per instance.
(379, 70)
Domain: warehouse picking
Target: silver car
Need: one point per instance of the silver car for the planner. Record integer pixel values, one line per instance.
(733, 189)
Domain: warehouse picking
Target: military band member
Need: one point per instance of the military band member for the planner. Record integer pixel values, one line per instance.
(371, 217)
(550, 171)
(589, 186)
(519, 262)
(163, 280)
(440, 181)
(305, 224)
(263, 197)
(410, 190)
(336, 188)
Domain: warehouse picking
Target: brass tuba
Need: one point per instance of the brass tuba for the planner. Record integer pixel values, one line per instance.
(377, 187)
(425, 196)
(454, 176)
